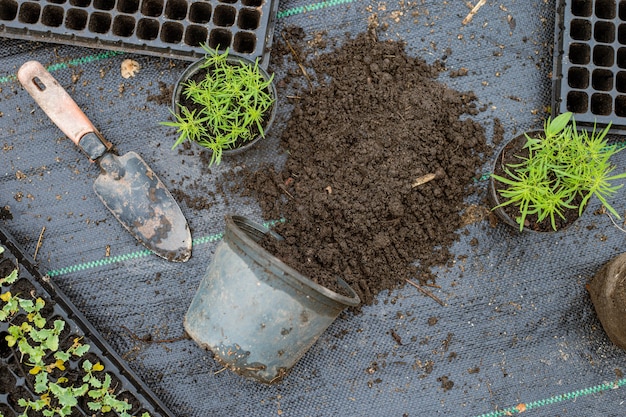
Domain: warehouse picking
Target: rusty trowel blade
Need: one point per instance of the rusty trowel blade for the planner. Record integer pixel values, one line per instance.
(139, 200)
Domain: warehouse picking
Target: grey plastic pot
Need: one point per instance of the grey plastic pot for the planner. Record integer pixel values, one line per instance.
(236, 60)
(256, 314)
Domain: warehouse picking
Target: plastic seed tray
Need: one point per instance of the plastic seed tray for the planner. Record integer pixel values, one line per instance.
(169, 28)
(590, 62)
(15, 381)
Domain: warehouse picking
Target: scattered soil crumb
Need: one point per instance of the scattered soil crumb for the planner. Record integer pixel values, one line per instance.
(164, 96)
(498, 132)
(446, 383)
(5, 213)
(461, 72)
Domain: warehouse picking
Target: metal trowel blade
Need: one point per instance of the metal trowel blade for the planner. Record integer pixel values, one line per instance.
(139, 200)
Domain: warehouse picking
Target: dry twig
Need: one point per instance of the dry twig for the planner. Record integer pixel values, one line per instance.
(613, 221)
(39, 243)
(472, 12)
(423, 180)
(299, 62)
(426, 292)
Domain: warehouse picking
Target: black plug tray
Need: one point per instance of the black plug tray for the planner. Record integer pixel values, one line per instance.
(14, 377)
(590, 62)
(167, 28)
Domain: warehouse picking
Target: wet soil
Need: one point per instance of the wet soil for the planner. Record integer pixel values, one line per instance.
(380, 157)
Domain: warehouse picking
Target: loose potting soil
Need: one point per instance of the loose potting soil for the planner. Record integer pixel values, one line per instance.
(380, 156)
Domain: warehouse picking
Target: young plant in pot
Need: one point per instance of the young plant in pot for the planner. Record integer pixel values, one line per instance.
(543, 180)
(224, 103)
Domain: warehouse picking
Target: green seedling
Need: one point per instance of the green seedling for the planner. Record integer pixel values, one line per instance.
(103, 399)
(12, 277)
(11, 305)
(91, 370)
(229, 105)
(34, 343)
(63, 398)
(564, 167)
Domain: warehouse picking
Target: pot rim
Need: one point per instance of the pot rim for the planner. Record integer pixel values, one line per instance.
(232, 57)
(241, 229)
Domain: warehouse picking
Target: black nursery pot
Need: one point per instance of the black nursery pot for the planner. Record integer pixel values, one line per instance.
(508, 214)
(195, 68)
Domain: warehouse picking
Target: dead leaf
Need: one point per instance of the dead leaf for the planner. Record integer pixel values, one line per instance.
(129, 68)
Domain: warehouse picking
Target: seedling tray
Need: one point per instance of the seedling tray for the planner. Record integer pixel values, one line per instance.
(590, 62)
(168, 28)
(15, 375)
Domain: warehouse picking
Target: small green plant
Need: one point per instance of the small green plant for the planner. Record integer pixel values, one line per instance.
(101, 392)
(562, 171)
(229, 105)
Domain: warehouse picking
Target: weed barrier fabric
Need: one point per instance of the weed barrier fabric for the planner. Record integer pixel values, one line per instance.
(518, 331)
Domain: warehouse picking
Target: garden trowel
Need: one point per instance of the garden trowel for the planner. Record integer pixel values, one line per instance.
(126, 184)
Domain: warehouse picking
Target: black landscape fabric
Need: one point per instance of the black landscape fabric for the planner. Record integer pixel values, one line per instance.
(517, 333)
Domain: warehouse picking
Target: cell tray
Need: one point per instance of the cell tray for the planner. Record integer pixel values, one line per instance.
(167, 28)
(590, 62)
(127, 384)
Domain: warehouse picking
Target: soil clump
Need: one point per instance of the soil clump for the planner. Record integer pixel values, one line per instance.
(380, 158)
(607, 290)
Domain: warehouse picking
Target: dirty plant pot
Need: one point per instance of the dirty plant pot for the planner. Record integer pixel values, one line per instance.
(608, 294)
(196, 71)
(256, 314)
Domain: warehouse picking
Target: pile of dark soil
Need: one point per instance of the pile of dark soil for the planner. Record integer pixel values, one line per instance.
(379, 161)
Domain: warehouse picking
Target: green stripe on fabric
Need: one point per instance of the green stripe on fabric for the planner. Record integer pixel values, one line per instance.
(71, 63)
(520, 408)
(98, 263)
(138, 254)
(311, 8)
(125, 257)
(83, 60)
(8, 78)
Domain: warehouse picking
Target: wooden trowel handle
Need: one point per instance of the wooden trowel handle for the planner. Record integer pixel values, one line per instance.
(55, 101)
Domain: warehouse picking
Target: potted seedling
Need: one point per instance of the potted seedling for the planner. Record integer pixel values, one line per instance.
(543, 180)
(223, 102)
